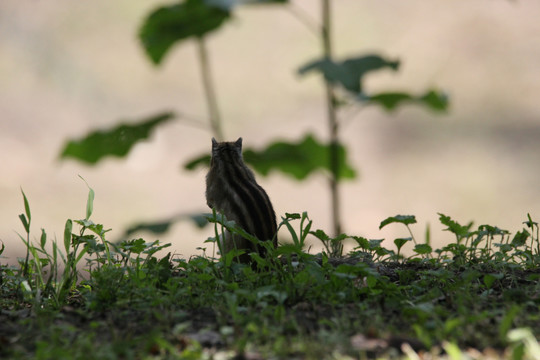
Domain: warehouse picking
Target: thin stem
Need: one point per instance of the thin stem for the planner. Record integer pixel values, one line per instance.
(209, 90)
(332, 120)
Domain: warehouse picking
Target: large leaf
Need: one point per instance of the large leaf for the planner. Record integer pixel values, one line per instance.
(170, 24)
(299, 160)
(402, 219)
(114, 142)
(350, 72)
(391, 100)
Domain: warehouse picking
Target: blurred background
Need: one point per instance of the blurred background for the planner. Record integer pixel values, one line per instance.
(68, 67)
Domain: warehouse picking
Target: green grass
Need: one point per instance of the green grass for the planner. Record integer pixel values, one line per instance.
(90, 298)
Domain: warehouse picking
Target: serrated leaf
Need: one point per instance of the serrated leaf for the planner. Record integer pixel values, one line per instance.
(454, 227)
(350, 72)
(422, 249)
(171, 24)
(402, 219)
(362, 242)
(114, 142)
(292, 216)
(135, 246)
(296, 159)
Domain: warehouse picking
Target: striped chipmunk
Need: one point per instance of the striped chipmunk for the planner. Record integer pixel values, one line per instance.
(231, 190)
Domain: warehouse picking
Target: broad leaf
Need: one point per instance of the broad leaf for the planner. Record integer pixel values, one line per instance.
(520, 238)
(401, 241)
(422, 249)
(170, 24)
(115, 142)
(350, 72)
(298, 160)
(403, 219)
(434, 100)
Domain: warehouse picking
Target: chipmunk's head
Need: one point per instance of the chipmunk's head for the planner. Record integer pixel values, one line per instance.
(226, 151)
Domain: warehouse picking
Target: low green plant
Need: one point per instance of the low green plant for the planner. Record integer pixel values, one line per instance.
(131, 299)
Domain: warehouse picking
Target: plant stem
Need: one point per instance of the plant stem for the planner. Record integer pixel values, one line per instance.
(332, 121)
(209, 90)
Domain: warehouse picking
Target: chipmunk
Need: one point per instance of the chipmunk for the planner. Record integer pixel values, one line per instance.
(231, 190)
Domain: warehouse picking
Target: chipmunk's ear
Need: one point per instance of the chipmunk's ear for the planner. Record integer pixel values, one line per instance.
(238, 143)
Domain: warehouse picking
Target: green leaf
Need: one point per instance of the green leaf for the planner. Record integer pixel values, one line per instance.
(362, 242)
(293, 216)
(403, 219)
(43, 238)
(350, 72)
(159, 227)
(375, 243)
(25, 223)
(90, 200)
(67, 235)
(434, 100)
(170, 24)
(530, 223)
(520, 238)
(135, 246)
(489, 279)
(401, 241)
(507, 321)
(390, 100)
(422, 249)
(26, 207)
(114, 142)
(320, 234)
(454, 227)
(297, 159)
(199, 220)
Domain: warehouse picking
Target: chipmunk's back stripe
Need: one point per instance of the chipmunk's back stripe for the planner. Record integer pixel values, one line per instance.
(255, 204)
